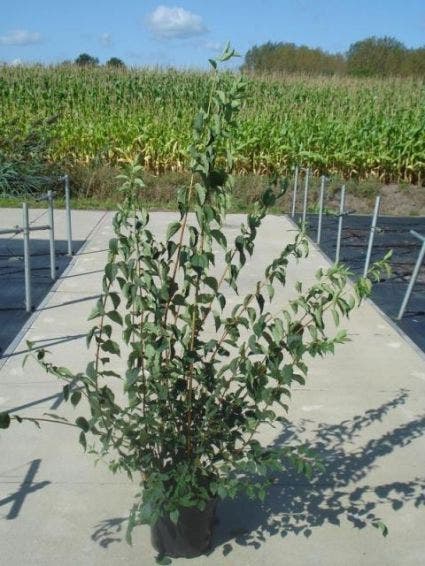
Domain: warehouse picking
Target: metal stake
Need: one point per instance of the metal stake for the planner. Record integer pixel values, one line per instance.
(51, 236)
(372, 235)
(414, 274)
(27, 257)
(322, 196)
(341, 216)
(307, 174)
(294, 197)
(68, 214)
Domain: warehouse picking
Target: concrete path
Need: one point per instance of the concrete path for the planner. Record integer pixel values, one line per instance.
(362, 410)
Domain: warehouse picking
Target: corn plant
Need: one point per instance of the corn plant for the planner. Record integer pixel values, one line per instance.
(350, 127)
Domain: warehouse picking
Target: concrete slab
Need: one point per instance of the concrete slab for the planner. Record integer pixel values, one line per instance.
(362, 410)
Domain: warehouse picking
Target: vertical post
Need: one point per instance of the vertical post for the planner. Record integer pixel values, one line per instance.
(372, 235)
(307, 174)
(340, 219)
(321, 199)
(27, 257)
(294, 197)
(68, 214)
(51, 236)
(412, 280)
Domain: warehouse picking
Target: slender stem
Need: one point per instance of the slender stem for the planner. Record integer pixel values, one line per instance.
(39, 419)
(192, 344)
(179, 246)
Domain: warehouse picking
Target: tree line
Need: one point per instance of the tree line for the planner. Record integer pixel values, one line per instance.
(86, 60)
(371, 57)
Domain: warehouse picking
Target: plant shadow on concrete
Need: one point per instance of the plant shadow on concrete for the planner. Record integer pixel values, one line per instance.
(297, 506)
(109, 531)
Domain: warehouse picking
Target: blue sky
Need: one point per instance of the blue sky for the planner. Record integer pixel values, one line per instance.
(185, 33)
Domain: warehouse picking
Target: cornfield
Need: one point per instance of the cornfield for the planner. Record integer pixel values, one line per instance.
(350, 127)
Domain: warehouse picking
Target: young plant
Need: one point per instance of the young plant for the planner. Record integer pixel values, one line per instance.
(198, 377)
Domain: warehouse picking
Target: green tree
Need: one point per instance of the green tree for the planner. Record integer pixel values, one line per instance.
(291, 58)
(414, 64)
(376, 56)
(86, 60)
(115, 62)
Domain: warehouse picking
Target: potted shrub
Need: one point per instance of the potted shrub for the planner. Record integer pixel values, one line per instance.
(179, 382)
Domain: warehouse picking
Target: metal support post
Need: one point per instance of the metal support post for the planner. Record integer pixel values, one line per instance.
(27, 257)
(294, 197)
(321, 199)
(340, 219)
(51, 236)
(372, 235)
(306, 181)
(414, 276)
(68, 214)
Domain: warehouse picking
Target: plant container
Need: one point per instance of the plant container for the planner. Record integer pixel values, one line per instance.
(190, 537)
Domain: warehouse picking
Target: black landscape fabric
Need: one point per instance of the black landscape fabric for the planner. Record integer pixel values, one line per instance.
(393, 233)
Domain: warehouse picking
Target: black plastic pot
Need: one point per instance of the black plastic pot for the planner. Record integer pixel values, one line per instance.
(190, 537)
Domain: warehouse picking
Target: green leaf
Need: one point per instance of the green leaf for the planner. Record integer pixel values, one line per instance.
(82, 440)
(115, 298)
(260, 301)
(4, 420)
(211, 282)
(382, 527)
(270, 290)
(115, 317)
(342, 337)
(113, 245)
(172, 229)
(65, 392)
(82, 423)
(98, 310)
(201, 193)
(75, 397)
(163, 560)
(111, 347)
(131, 377)
(199, 260)
(174, 516)
(335, 316)
(91, 371)
(219, 237)
(111, 270)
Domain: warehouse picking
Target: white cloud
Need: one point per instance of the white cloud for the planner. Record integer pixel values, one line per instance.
(172, 23)
(15, 63)
(20, 37)
(105, 39)
(214, 46)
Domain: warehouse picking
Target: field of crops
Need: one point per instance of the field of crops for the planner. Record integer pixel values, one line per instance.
(346, 126)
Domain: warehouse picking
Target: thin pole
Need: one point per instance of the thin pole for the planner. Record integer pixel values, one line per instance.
(307, 174)
(68, 214)
(321, 199)
(51, 236)
(341, 216)
(372, 235)
(414, 275)
(294, 197)
(27, 257)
